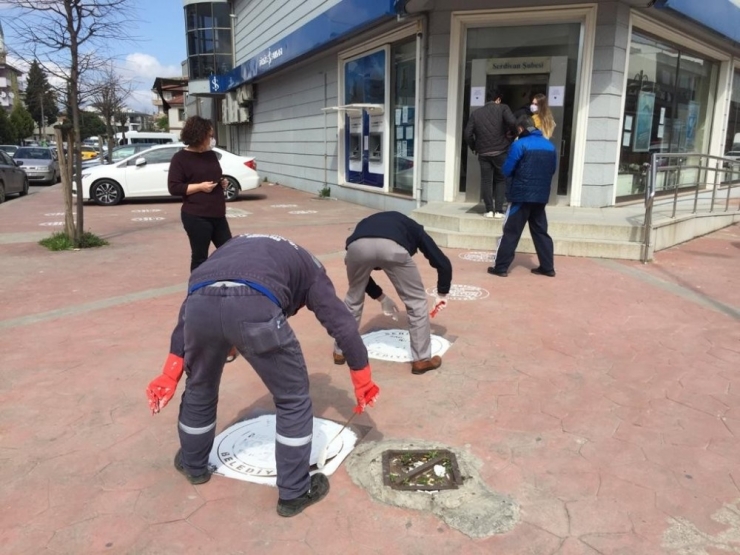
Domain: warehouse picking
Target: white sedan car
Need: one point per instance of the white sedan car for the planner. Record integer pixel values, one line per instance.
(144, 175)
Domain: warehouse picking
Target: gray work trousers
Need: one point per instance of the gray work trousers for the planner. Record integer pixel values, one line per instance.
(363, 256)
(217, 318)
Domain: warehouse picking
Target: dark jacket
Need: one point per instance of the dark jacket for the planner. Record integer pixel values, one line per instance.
(411, 236)
(188, 167)
(488, 127)
(292, 275)
(530, 166)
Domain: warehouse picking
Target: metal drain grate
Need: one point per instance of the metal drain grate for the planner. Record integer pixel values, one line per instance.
(421, 470)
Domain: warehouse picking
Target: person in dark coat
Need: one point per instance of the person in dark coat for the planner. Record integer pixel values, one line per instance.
(243, 295)
(195, 174)
(487, 135)
(530, 165)
(387, 241)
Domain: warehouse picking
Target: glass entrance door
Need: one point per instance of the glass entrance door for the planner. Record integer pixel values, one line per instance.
(523, 61)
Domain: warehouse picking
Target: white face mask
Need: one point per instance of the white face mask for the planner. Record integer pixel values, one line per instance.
(534, 108)
(212, 143)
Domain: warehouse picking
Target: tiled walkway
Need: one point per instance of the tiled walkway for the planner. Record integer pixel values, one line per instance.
(606, 401)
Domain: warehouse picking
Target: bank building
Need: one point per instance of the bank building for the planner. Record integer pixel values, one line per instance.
(370, 97)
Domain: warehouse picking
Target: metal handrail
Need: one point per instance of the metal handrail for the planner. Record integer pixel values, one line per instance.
(722, 167)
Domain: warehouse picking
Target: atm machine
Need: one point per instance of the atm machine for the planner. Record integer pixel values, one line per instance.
(364, 142)
(354, 126)
(524, 77)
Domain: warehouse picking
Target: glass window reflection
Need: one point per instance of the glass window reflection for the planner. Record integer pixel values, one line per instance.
(668, 109)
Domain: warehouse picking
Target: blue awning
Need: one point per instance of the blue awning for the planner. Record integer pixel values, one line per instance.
(722, 16)
(336, 23)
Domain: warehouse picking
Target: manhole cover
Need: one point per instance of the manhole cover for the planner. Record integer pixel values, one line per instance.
(421, 470)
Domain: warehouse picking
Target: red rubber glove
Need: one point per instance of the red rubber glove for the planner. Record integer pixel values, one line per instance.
(162, 388)
(366, 392)
(439, 305)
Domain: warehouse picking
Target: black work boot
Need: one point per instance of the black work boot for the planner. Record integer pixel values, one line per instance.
(316, 492)
(538, 271)
(195, 480)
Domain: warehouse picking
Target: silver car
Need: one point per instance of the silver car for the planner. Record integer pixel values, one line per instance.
(40, 163)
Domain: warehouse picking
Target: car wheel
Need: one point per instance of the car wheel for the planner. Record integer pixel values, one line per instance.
(232, 190)
(2, 193)
(106, 192)
(24, 190)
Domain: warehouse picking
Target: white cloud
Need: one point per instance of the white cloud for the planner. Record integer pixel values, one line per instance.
(145, 67)
(141, 70)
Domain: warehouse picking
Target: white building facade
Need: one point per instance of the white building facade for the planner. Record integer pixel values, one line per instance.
(371, 97)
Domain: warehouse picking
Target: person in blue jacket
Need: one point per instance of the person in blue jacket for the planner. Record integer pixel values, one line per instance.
(529, 168)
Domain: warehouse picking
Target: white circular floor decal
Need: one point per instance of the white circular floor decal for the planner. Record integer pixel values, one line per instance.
(395, 345)
(463, 293)
(302, 212)
(149, 219)
(246, 450)
(236, 213)
(477, 256)
(283, 206)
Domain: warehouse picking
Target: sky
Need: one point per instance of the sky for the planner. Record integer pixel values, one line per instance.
(158, 50)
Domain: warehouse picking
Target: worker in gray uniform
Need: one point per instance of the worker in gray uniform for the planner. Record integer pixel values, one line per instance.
(242, 296)
(387, 241)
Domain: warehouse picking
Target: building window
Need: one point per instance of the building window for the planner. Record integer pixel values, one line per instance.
(732, 141)
(403, 136)
(181, 114)
(668, 109)
(209, 41)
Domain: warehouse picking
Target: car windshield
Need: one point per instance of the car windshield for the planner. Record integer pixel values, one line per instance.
(33, 153)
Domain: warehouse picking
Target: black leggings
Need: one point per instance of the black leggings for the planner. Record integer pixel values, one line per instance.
(201, 232)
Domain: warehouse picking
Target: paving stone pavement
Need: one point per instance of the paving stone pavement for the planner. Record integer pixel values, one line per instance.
(606, 401)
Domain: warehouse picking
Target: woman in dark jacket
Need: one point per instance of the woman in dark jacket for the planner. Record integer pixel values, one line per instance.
(195, 175)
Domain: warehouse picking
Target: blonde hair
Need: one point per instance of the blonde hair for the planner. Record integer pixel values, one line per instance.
(546, 121)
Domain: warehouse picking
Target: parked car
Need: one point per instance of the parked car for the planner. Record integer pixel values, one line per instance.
(119, 153)
(10, 149)
(39, 162)
(88, 152)
(12, 178)
(145, 175)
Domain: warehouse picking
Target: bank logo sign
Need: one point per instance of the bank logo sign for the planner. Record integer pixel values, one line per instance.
(270, 56)
(504, 66)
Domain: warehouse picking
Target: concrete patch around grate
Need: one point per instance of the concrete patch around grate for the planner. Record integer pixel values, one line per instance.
(684, 537)
(473, 508)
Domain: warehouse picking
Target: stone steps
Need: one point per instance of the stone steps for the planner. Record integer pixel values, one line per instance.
(464, 230)
(565, 246)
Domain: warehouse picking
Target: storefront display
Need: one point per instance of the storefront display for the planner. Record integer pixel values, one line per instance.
(668, 109)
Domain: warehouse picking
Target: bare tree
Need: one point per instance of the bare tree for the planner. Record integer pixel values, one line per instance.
(108, 99)
(67, 37)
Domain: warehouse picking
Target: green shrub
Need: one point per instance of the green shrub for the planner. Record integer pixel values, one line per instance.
(62, 242)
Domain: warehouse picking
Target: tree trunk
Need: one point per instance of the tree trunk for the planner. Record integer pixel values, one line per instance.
(74, 78)
(69, 221)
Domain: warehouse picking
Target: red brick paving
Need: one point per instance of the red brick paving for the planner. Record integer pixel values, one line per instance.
(605, 405)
